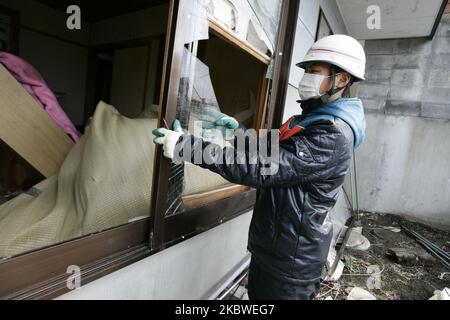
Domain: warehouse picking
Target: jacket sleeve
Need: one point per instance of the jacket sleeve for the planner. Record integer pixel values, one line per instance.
(302, 158)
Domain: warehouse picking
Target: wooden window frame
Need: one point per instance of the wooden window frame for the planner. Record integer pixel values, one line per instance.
(42, 274)
(15, 28)
(168, 230)
(319, 20)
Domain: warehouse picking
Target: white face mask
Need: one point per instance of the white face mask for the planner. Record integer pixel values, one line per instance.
(309, 86)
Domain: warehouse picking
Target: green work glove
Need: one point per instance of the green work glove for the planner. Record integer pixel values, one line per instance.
(211, 118)
(168, 138)
(227, 121)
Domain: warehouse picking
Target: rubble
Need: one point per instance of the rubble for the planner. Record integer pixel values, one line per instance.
(441, 295)
(389, 235)
(410, 257)
(360, 294)
(339, 269)
(356, 240)
(393, 281)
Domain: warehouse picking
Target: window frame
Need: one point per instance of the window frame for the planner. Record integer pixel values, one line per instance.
(319, 20)
(172, 229)
(42, 274)
(15, 28)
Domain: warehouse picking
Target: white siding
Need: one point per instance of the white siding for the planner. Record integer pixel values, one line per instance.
(186, 271)
(304, 38)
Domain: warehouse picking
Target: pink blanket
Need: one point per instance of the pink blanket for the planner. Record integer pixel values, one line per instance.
(35, 85)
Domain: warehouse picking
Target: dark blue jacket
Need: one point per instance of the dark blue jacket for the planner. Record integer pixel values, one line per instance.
(287, 237)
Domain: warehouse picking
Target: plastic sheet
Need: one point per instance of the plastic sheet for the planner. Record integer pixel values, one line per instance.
(253, 21)
(196, 103)
(197, 21)
(268, 14)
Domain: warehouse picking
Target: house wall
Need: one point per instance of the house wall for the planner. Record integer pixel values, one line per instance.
(185, 271)
(304, 38)
(141, 24)
(48, 20)
(63, 65)
(59, 54)
(129, 96)
(129, 80)
(402, 168)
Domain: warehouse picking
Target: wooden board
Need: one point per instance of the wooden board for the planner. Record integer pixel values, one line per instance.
(28, 129)
(197, 200)
(217, 28)
(238, 82)
(262, 104)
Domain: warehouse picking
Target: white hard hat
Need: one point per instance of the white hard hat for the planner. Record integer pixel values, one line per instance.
(340, 50)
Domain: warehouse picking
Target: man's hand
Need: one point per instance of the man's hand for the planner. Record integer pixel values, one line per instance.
(227, 121)
(212, 118)
(168, 138)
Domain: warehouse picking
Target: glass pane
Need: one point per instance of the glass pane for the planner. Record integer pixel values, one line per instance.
(254, 21)
(268, 15)
(196, 104)
(217, 79)
(87, 101)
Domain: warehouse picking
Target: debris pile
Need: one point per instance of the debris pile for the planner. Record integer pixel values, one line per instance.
(405, 261)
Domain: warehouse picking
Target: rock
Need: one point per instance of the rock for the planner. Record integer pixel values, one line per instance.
(441, 295)
(241, 293)
(360, 294)
(337, 273)
(441, 277)
(410, 257)
(393, 229)
(332, 254)
(388, 235)
(356, 240)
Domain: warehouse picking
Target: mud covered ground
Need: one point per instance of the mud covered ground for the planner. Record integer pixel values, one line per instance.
(415, 279)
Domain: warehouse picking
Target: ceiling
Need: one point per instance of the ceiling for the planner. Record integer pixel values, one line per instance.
(96, 10)
(399, 18)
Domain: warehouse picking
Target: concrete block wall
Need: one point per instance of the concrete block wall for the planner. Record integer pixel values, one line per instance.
(403, 166)
(409, 77)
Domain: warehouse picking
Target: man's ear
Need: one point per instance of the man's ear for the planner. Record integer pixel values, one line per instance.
(343, 79)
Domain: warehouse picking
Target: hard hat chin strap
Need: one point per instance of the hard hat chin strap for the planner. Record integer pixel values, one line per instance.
(325, 98)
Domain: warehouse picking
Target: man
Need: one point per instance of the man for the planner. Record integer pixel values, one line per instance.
(290, 232)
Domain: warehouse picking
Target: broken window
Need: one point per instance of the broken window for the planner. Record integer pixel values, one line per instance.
(267, 14)
(256, 22)
(220, 77)
(89, 165)
(78, 109)
(86, 170)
